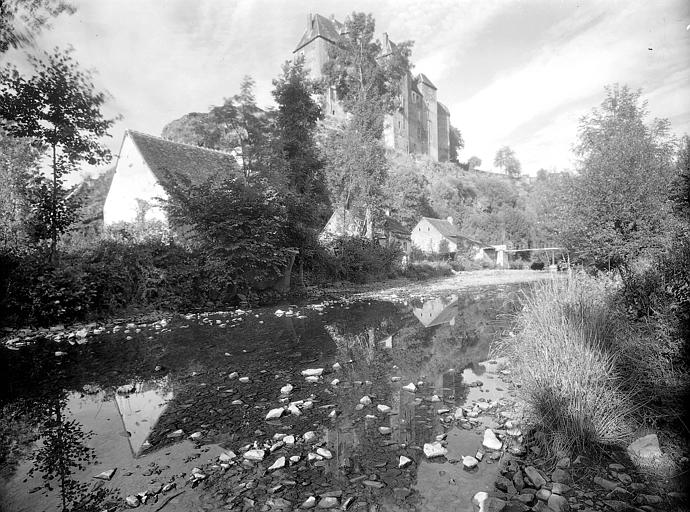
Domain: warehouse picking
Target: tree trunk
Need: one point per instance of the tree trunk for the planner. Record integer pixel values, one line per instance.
(53, 211)
(370, 223)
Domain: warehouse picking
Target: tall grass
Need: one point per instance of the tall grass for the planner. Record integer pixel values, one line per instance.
(569, 356)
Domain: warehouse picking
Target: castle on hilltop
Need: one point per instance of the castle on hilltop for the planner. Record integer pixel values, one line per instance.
(420, 123)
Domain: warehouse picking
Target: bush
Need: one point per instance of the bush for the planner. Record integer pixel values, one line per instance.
(421, 270)
(359, 260)
(566, 355)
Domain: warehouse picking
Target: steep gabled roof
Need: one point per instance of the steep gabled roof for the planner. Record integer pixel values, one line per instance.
(442, 107)
(329, 29)
(170, 161)
(425, 80)
(444, 227)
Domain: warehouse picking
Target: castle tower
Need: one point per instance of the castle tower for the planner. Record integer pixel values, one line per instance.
(428, 90)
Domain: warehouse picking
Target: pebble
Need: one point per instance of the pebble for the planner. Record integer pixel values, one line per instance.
(227, 456)
(328, 502)
(278, 464)
(535, 476)
(491, 441)
(469, 462)
(383, 408)
(312, 372)
(385, 430)
(255, 455)
(105, 475)
(410, 387)
(432, 450)
(310, 502)
(286, 390)
(244, 380)
(404, 461)
(325, 453)
(365, 400)
(309, 436)
(275, 413)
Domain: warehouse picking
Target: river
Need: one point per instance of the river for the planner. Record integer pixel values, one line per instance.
(174, 405)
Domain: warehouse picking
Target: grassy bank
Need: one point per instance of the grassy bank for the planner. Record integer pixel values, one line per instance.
(593, 372)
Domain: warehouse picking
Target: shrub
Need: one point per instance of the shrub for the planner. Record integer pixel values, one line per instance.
(566, 353)
(421, 270)
(358, 259)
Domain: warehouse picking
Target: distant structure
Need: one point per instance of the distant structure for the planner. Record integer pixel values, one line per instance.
(420, 123)
(438, 236)
(148, 166)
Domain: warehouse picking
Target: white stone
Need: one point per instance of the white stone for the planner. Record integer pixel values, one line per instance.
(383, 408)
(279, 463)
(295, 459)
(286, 390)
(336, 366)
(294, 410)
(312, 378)
(244, 380)
(275, 413)
(289, 440)
(236, 402)
(434, 450)
(325, 453)
(309, 436)
(410, 387)
(227, 456)
(491, 441)
(332, 414)
(435, 398)
(255, 455)
(335, 382)
(233, 375)
(479, 500)
(125, 389)
(196, 435)
(311, 457)
(365, 400)
(105, 475)
(132, 501)
(385, 430)
(312, 372)
(645, 449)
(469, 462)
(310, 502)
(442, 411)
(404, 461)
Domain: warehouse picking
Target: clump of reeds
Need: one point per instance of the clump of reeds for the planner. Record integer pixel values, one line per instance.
(566, 354)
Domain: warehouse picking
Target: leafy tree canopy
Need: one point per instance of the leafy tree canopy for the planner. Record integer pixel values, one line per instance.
(506, 160)
(619, 206)
(456, 143)
(22, 20)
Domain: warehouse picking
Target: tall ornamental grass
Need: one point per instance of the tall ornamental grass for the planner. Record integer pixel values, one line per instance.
(569, 355)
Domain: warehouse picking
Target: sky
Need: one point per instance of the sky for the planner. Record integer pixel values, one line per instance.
(512, 73)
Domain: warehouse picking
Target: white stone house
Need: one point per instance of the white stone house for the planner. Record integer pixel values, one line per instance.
(147, 166)
(438, 236)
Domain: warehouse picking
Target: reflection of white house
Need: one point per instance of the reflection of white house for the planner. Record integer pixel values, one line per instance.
(148, 166)
(437, 236)
(437, 311)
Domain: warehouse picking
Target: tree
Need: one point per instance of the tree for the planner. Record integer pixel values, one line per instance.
(22, 20)
(619, 208)
(60, 109)
(506, 160)
(367, 86)
(456, 144)
(19, 163)
(305, 195)
(406, 191)
(473, 163)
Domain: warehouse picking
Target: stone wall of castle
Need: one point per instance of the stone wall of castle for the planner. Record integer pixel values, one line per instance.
(419, 125)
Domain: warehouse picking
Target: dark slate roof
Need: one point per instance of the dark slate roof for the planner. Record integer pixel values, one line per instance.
(170, 160)
(329, 29)
(392, 225)
(425, 80)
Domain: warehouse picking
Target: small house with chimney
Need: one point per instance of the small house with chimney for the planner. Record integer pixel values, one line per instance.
(148, 166)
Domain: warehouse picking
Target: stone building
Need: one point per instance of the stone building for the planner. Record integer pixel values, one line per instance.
(420, 124)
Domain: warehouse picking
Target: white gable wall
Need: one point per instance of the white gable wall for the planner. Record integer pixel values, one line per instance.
(132, 180)
(428, 239)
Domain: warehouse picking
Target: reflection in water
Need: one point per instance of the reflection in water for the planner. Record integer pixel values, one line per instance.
(440, 343)
(62, 452)
(141, 409)
(438, 311)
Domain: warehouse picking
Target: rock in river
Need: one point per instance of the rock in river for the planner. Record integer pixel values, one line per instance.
(491, 441)
(325, 453)
(312, 372)
(255, 455)
(105, 475)
(432, 450)
(469, 462)
(404, 462)
(278, 464)
(275, 413)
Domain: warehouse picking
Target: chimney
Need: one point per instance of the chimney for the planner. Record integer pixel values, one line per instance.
(310, 21)
(449, 219)
(385, 40)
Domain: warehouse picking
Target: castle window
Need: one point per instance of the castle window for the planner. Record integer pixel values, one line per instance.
(414, 97)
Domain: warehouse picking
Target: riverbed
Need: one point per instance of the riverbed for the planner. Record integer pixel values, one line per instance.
(327, 404)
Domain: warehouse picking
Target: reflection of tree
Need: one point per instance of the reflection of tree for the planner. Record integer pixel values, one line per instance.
(63, 452)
